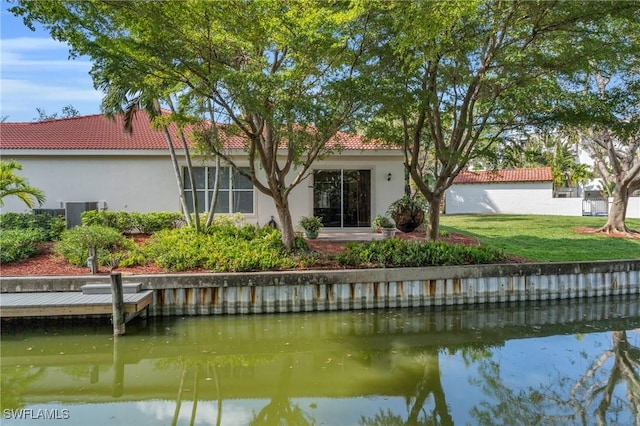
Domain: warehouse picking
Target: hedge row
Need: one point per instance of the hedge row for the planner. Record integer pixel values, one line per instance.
(49, 227)
(396, 252)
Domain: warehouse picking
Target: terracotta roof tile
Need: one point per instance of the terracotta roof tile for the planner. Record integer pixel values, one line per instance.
(535, 174)
(98, 132)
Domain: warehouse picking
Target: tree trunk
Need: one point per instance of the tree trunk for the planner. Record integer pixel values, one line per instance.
(286, 224)
(214, 198)
(618, 212)
(433, 230)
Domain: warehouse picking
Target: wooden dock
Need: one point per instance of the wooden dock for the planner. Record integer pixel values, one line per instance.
(48, 304)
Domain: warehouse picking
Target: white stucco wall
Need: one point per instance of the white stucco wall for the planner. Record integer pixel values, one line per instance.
(510, 198)
(134, 183)
(144, 181)
(633, 207)
(518, 198)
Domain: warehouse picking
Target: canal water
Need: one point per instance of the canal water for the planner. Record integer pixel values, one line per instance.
(566, 362)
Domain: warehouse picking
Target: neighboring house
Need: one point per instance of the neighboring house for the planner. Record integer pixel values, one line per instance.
(520, 191)
(515, 191)
(92, 159)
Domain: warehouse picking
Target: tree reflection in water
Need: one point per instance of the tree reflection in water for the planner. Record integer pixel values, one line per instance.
(389, 368)
(13, 383)
(280, 411)
(426, 366)
(598, 384)
(569, 401)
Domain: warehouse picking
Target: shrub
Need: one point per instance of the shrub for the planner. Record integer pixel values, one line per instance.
(109, 244)
(122, 221)
(152, 222)
(49, 227)
(125, 222)
(224, 247)
(411, 253)
(16, 244)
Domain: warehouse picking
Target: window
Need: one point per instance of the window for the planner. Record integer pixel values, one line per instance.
(235, 192)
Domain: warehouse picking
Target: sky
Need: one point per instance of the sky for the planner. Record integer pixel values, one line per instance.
(36, 72)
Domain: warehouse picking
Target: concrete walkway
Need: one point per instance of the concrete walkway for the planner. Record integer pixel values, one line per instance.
(348, 236)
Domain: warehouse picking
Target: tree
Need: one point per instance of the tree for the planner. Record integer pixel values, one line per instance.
(599, 100)
(13, 185)
(281, 75)
(618, 162)
(454, 77)
(67, 112)
(555, 149)
(135, 100)
(615, 145)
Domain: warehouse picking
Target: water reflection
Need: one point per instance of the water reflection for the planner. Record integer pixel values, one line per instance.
(555, 363)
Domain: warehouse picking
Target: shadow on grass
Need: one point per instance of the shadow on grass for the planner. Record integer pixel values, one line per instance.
(492, 217)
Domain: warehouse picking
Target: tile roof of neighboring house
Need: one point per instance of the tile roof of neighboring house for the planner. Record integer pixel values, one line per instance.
(103, 133)
(535, 174)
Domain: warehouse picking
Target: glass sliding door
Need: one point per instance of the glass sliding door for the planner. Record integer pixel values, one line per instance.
(342, 198)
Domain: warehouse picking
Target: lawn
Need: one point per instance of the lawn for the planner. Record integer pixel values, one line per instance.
(545, 238)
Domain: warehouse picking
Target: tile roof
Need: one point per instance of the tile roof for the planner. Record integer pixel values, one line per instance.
(98, 132)
(535, 174)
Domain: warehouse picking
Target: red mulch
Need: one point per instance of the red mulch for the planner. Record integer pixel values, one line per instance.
(47, 263)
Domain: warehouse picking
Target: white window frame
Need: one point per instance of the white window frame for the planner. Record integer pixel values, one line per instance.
(225, 172)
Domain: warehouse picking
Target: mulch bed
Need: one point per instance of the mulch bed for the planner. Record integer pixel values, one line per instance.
(46, 263)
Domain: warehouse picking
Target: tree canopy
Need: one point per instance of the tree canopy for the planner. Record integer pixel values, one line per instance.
(454, 77)
(444, 80)
(280, 74)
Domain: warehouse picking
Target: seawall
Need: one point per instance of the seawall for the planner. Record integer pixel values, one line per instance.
(306, 291)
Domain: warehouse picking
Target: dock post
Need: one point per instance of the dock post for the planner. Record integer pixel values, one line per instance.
(118, 304)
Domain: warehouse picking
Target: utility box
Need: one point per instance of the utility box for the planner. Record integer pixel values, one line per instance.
(74, 211)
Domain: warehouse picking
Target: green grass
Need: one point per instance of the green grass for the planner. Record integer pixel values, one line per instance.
(545, 238)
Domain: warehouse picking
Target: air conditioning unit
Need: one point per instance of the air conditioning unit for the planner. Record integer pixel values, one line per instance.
(74, 211)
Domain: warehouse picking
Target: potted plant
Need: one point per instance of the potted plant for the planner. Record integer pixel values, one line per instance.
(311, 226)
(408, 213)
(385, 225)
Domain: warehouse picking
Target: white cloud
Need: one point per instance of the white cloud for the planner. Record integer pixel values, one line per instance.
(36, 73)
(20, 98)
(35, 55)
(163, 411)
(22, 44)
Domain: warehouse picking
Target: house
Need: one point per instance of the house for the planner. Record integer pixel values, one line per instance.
(519, 191)
(514, 191)
(90, 159)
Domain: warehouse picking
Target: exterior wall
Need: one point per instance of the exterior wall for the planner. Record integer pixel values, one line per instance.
(518, 198)
(302, 291)
(145, 181)
(508, 198)
(633, 208)
(383, 192)
(133, 183)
